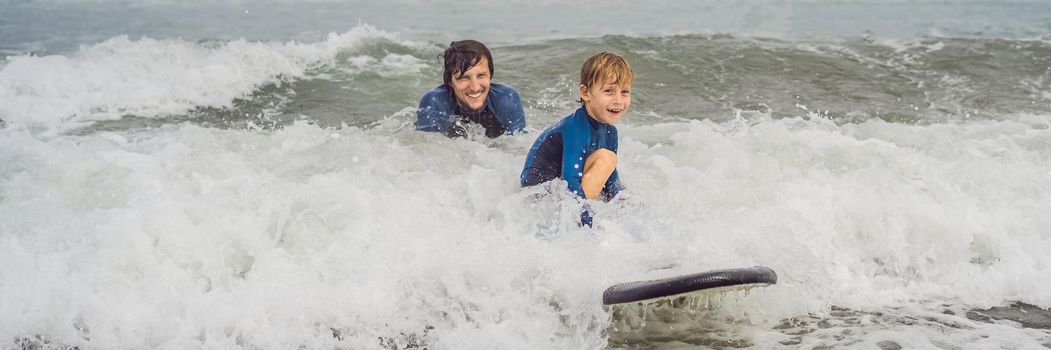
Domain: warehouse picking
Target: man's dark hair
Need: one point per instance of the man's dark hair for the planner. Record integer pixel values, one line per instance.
(461, 56)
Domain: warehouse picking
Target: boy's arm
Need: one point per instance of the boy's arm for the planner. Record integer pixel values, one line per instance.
(434, 111)
(574, 140)
(613, 185)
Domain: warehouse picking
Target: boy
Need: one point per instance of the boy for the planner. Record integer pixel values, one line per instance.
(582, 147)
(467, 96)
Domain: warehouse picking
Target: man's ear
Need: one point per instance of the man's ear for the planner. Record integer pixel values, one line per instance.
(583, 92)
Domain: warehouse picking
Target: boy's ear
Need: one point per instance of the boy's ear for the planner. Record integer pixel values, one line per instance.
(583, 92)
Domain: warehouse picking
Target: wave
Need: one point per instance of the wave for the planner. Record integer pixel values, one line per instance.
(155, 237)
(151, 78)
(365, 75)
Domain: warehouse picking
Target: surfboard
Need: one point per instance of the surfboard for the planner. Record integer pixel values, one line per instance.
(714, 280)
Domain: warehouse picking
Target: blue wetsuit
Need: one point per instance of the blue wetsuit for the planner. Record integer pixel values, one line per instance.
(560, 152)
(501, 115)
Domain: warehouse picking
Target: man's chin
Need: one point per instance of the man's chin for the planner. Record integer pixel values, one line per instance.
(469, 106)
(474, 108)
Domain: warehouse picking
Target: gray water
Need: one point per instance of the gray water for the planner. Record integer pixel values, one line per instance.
(715, 77)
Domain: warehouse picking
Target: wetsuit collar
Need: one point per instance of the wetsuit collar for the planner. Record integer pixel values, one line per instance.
(583, 113)
(460, 110)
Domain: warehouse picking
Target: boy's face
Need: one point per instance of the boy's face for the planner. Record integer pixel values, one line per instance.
(606, 102)
(472, 87)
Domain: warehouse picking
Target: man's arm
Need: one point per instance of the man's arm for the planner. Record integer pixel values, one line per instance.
(507, 106)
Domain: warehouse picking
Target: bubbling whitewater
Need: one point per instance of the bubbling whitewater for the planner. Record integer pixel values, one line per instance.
(186, 237)
(270, 192)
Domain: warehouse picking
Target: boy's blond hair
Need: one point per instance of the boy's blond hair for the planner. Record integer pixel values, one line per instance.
(605, 67)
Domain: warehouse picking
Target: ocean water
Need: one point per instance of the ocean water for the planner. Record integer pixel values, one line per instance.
(245, 175)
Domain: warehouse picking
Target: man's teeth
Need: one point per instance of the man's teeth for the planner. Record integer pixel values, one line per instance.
(474, 95)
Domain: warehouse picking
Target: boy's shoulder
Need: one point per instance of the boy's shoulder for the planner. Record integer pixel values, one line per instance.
(576, 122)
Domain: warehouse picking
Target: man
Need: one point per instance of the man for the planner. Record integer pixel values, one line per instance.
(468, 97)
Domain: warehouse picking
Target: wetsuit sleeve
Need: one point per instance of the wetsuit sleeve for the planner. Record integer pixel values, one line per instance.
(435, 109)
(515, 120)
(575, 138)
(613, 185)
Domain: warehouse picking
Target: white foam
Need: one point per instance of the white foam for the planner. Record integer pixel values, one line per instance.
(154, 78)
(191, 237)
(391, 65)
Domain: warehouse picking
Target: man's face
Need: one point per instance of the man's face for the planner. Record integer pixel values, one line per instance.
(607, 102)
(472, 87)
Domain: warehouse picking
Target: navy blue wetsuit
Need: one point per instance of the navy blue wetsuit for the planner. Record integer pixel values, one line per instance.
(561, 150)
(501, 115)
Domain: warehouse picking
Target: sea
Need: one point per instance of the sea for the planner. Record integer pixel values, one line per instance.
(234, 174)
